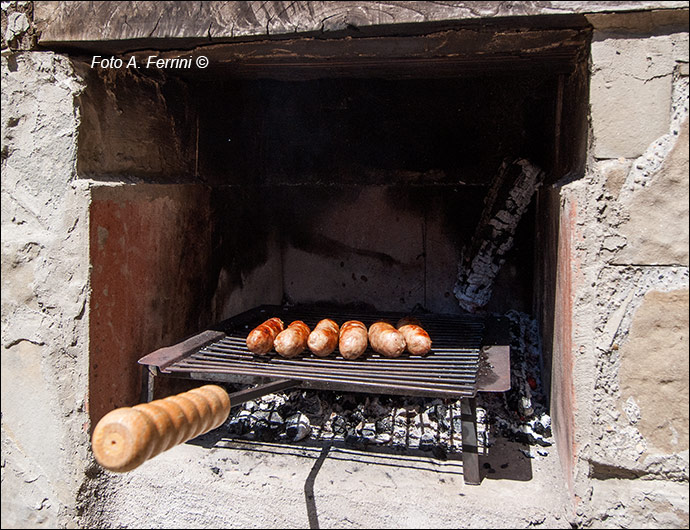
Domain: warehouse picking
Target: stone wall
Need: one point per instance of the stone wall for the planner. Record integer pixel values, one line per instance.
(629, 267)
(45, 289)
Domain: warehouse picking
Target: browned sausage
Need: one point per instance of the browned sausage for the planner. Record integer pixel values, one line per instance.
(292, 341)
(260, 339)
(417, 340)
(324, 339)
(353, 339)
(386, 340)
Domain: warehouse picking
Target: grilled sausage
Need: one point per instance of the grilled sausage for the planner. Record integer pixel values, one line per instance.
(324, 339)
(353, 339)
(293, 340)
(417, 340)
(386, 340)
(260, 339)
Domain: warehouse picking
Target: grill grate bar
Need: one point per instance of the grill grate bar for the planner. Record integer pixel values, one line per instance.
(431, 387)
(450, 369)
(438, 367)
(439, 356)
(313, 371)
(236, 344)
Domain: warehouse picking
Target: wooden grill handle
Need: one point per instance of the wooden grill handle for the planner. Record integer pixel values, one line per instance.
(126, 437)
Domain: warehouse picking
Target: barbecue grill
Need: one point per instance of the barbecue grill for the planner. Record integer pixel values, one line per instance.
(457, 367)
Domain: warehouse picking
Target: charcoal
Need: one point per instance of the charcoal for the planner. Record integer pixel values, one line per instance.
(240, 424)
(414, 434)
(544, 431)
(457, 424)
(310, 403)
(436, 411)
(260, 415)
(264, 432)
(346, 401)
(297, 427)
(382, 438)
(399, 436)
(400, 418)
(268, 425)
(271, 401)
(352, 439)
(356, 416)
(384, 425)
(338, 425)
(426, 442)
(440, 451)
(368, 431)
(373, 407)
(543, 443)
(250, 406)
(276, 420)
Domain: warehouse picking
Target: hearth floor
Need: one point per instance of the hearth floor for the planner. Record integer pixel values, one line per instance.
(271, 485)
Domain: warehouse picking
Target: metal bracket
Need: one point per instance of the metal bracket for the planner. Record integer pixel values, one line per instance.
(237, 398)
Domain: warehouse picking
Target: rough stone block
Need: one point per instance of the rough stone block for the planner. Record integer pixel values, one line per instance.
(28, 498)
(639, 504)
(657, 227)
(654, 370)
(615, 172)
(630, 92)
(628, 114)
(26, 487)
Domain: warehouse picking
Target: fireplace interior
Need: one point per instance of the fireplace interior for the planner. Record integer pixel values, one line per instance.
(313, 181)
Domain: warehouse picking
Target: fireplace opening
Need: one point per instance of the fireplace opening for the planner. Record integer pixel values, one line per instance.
(365, 190)
(366, 181)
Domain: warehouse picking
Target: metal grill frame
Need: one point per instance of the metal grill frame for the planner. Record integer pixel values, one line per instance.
(450, 370)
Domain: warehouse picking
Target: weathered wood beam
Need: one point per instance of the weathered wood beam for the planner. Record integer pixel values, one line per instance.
(439, 54)
(61, 22)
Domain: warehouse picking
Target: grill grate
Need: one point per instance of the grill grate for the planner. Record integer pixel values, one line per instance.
(449, 370)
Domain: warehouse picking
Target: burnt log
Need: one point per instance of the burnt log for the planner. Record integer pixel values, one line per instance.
(506, 202)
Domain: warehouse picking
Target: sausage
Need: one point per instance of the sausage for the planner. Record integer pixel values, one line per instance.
(386, 340)
(417, 340)
(353, 339)
(324, 339)
(293, 340)
(260, 339)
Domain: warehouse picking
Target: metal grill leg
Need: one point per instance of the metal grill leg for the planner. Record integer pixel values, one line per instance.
(470, 449)
(147, 376)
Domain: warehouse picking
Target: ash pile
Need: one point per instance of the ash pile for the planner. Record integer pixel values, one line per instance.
(520, 414)
(407, 424)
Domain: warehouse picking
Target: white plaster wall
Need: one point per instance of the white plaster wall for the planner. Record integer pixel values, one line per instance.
(45, 280)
